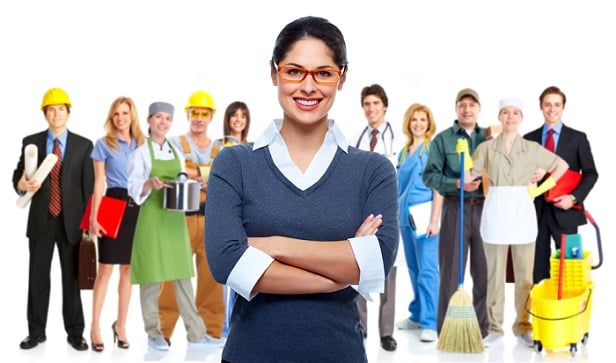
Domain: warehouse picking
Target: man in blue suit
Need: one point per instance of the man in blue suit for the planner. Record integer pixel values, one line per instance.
(566, 213)
(52, 224)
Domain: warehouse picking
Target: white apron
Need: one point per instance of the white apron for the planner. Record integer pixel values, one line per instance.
(508, 216)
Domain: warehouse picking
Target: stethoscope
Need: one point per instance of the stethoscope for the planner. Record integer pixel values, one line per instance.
(389, 152)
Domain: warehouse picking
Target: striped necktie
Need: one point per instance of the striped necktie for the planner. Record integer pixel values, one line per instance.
(55, 193)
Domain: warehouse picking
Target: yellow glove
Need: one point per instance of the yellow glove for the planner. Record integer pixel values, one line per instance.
(462, 147)
(547, 184)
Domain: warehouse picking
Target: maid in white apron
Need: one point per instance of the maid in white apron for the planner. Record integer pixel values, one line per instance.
(508, 217)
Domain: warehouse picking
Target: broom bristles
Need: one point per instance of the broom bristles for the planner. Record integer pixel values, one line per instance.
(460, 332)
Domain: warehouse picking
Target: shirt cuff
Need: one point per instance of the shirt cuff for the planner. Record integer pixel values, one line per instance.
(247, 271)
(369, 258)
(142, 197)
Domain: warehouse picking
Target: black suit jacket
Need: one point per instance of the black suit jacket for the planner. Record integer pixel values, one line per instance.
(77, 184)
(574, 148)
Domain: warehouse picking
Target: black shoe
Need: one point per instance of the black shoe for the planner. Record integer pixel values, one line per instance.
(121, 343)
(77, 342)
(97, 347)
(32, 341)
(389, 343)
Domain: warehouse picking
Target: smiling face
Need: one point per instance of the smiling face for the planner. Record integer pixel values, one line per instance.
(121, 117)
(306, 102)
(237, 121)
(510, 117)
(57, 116)
(552, 107)
(199, 118)
(467, 110)
(374, 110)
(160, 123)
(419, 124)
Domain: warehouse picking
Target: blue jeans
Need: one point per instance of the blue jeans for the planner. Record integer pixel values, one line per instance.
(421, 255)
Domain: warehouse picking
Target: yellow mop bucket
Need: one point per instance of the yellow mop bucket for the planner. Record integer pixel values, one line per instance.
(576, 272)
(561, 305)
(558, 324)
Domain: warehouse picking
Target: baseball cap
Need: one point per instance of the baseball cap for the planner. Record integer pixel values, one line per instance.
(467, 92)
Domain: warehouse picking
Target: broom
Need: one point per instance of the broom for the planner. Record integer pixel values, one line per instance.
(460, 332)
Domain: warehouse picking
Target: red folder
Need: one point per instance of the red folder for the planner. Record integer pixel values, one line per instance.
(110, 214)
(565, 185)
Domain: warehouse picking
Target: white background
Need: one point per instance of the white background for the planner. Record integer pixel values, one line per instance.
(420, 51)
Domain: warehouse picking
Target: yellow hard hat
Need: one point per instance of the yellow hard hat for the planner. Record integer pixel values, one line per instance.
(55, 96)
(200, 99)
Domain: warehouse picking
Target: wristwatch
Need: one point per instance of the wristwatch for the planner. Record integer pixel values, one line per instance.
(573, 199)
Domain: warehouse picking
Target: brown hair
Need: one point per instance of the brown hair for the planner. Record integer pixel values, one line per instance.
(552, 90)
(234, 106)
(375, 90)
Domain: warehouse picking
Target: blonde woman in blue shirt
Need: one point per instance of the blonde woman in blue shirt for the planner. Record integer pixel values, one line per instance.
(420, 242)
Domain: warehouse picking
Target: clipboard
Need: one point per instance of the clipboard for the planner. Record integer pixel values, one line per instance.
(110, 214)
(419, 216)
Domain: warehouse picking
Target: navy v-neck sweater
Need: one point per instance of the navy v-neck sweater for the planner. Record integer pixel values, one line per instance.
(249, 196)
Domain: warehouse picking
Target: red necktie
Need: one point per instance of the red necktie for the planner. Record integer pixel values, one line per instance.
(549, 140)
(55, 193)
(373, 139)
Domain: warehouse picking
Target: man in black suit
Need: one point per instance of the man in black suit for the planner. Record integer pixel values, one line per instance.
(58, 225)
(565, 214)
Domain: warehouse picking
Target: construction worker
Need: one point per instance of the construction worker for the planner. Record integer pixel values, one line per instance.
(199, 151)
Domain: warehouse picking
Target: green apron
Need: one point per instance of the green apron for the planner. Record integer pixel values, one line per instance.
(161, 246)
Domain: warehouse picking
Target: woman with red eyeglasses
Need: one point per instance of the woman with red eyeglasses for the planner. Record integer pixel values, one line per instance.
(299, 223)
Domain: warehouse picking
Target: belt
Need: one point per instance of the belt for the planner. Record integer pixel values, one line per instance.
(200, 211)
(120, 193)
(466, 200)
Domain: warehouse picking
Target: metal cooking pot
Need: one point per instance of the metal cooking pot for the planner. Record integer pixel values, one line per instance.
(182, 194)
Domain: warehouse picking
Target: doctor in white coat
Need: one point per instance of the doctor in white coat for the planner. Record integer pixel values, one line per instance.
(382, 137)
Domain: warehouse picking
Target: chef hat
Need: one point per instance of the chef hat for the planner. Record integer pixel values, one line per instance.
(511, 101)
(161, 107)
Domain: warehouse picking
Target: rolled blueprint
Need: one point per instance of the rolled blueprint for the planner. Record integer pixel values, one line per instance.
(30, 160)
(39, 175)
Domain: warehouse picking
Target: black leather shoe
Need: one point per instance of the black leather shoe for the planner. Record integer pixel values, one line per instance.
(77, 342)
(389, 343)
(32, 341)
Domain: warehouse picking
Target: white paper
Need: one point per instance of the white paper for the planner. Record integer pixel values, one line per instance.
(40, 175)
(421, 216)
(30, 160)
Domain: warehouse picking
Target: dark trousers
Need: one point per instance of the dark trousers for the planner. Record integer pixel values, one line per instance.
(548, 229)
(449, 257)
(39, 286)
